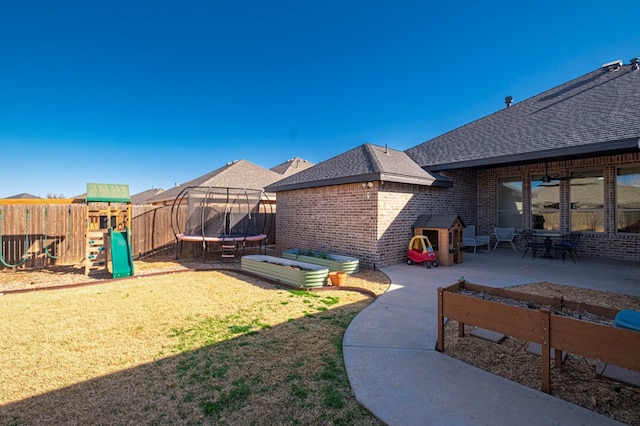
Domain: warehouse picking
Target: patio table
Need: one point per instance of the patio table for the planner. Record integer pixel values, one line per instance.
(548, 242)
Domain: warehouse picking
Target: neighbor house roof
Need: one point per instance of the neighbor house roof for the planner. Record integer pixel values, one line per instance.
(292, 166)
(362, 164)
(595, 113)
(144, 196)
(22, 196)
(237, 174)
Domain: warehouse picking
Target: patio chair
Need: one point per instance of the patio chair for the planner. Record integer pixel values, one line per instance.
(569, 244)
(470, 239)
(505, 235)
(530, 242)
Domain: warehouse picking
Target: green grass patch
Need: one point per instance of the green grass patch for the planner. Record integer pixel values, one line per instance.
(332, 398)
(227, 401)
(329, 301)
(332, 371)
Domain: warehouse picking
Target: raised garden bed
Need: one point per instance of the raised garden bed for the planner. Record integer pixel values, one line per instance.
(565, 326)
(292, 272)
(334, 262)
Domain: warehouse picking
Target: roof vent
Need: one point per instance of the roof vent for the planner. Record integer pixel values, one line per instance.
(635, 64)
(508, 101)
(612, 66)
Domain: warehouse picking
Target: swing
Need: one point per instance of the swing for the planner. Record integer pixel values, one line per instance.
(26, 243)
(46, 221)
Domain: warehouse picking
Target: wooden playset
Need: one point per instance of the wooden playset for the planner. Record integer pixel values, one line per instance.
(108, 227)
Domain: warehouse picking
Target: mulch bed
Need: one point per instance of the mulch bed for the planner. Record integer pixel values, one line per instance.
(576, 381)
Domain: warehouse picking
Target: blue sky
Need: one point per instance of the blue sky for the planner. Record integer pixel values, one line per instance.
(157, 93)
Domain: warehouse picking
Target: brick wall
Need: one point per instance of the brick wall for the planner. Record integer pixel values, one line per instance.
(400, 205)
(609, 243)
(372, 224)
(338, 219)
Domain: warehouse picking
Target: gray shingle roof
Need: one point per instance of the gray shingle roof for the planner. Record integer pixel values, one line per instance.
(364, 163)
(144, 196)
(22, 196)
(238, 174)
(292, 166)
(594, 113)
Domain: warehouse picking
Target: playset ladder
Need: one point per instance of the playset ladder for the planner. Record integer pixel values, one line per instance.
(228, 251)
(96, 253)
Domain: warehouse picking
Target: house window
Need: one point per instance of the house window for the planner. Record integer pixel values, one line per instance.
(510, 203)
(628, 200)
(587, 201)
(545, 204)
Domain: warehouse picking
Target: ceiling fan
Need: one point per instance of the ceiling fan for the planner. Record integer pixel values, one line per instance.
(548, 179)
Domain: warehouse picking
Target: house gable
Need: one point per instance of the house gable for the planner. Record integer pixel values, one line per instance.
(365, 163)
(293, 166)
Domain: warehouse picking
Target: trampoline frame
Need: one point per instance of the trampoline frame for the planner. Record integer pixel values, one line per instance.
(262, 205)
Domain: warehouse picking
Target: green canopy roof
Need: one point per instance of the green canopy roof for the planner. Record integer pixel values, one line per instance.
(108, 193)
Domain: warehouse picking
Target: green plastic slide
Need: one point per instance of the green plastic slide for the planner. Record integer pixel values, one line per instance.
(121, 258)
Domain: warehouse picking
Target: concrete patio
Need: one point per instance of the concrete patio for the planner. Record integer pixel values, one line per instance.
(397, 374)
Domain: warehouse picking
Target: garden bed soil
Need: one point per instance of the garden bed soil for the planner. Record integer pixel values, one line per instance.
(576, 382)
(334, 262)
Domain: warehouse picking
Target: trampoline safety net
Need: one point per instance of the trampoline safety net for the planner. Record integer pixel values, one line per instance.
(223, 212)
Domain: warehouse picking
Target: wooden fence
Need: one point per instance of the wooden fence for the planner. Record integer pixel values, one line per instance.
(36, 236)
(151, 233)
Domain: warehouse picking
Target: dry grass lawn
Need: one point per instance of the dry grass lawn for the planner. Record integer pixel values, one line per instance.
(221, 348)
(183, 348)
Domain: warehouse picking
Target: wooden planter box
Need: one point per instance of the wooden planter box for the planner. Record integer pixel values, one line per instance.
(334, 262)
(608, 344)
(286, 271)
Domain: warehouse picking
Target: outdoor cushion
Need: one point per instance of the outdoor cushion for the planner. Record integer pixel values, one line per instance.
(470, 239)
(628, 319)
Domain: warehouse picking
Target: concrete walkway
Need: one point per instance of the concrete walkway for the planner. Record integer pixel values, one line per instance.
(396, 373)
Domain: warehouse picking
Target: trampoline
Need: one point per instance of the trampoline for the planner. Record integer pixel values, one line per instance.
(231, 217)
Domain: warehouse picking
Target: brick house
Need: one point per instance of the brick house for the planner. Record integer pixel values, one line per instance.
(566, 159)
